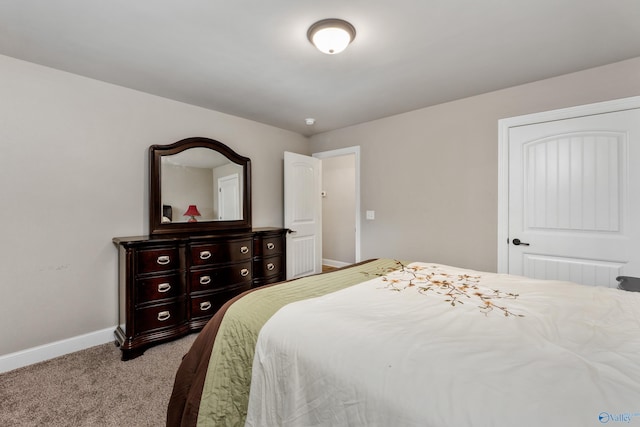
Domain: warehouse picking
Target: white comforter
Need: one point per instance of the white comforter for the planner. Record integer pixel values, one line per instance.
(565, 355)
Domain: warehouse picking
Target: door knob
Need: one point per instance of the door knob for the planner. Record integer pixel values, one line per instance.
(517, 242)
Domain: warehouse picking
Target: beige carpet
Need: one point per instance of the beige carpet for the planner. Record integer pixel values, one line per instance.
(93, 387)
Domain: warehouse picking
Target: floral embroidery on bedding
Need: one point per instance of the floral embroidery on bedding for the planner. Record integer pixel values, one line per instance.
(454, 288)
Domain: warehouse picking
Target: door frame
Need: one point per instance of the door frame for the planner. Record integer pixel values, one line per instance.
(503, 156)
(343, 152)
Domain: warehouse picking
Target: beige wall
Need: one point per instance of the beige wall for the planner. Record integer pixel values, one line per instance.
(73, 175)
(431, 175)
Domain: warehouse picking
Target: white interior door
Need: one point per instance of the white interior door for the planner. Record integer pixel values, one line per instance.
(229, 197)
(303, 214)
(574, 198)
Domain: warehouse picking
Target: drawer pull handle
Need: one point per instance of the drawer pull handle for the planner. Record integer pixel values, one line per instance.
(205, 280)
(270, 266)
(164, 315)
(163, 260)
(244, 250)
(204, 306)
(244, 272)
(270, 245)
(205, 255)
(164, 287)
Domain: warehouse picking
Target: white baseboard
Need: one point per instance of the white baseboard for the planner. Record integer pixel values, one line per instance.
(333, 263)
(16, 360)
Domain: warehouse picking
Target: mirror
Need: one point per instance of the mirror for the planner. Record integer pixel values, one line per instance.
(198, 185)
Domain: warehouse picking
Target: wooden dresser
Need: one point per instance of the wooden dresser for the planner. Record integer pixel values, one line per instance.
(171, 286)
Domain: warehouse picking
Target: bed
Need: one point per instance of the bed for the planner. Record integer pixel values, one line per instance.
(386, 342)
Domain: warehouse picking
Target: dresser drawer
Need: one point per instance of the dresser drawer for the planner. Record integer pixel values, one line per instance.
(156, 288)
(221, 252)
(159, 316)
(267, 267)
(158, 259)
(216, 278)
(266, 246)
(207, 305)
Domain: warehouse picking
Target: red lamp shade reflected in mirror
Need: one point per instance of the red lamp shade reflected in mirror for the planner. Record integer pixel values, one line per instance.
(192, 212)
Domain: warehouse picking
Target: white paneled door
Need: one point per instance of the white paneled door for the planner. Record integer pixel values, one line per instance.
(229, 198)
(574, 198)
(303, 214)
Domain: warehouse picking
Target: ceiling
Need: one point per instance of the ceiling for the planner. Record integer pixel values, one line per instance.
(251, 58)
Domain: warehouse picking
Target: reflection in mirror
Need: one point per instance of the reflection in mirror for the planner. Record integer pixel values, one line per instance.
(200, 184)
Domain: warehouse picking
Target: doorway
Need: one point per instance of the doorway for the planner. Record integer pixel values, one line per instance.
(342, 163)
(303, 210)
(340, 206)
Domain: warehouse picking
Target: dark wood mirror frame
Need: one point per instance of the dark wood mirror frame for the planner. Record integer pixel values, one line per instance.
(157, 227)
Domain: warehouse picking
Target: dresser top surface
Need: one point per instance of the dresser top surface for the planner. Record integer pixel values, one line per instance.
(145, 239)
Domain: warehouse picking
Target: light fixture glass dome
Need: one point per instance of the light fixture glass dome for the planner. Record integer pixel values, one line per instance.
(331, 36)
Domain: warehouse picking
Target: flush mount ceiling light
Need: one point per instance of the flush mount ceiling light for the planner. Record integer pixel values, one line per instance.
(331, 36)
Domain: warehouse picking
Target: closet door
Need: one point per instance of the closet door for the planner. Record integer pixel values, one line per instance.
(574, 198)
